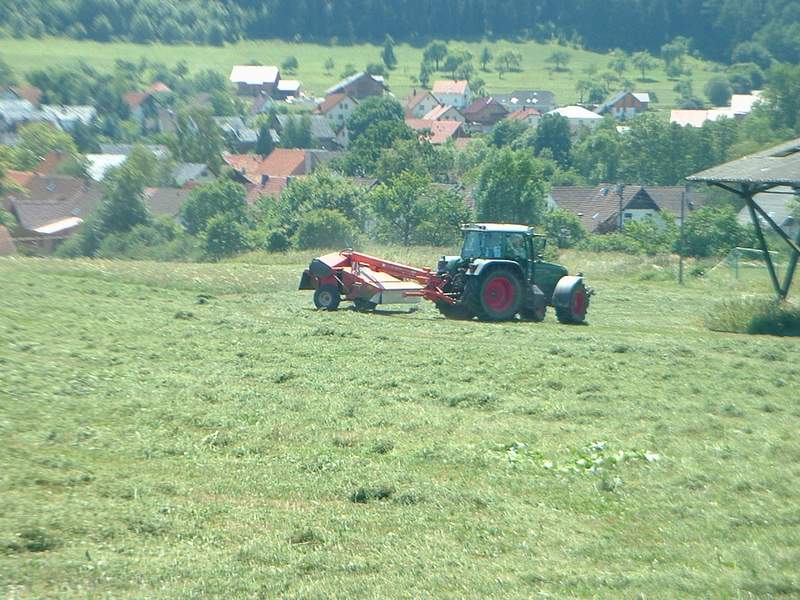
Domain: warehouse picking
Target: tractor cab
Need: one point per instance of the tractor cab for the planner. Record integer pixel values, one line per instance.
(497, 241)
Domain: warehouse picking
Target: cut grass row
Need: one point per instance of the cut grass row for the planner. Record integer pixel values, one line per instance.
(180, 431)
(28, 54)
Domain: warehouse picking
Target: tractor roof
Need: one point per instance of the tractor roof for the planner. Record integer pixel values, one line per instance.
(502, 227)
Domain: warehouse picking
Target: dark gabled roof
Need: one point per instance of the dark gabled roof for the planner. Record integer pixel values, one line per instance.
(594, 206)
(165, 201)
(42, 207)
(779, 165)
(340, 87)
(320, 126)
(668, 198)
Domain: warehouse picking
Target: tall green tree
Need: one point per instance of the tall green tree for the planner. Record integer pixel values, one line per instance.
(198, 139)
(434, 53)
(553, 134)
(264, 144)
(511, 188)
(387, 54)
(123, 204)
(643, 61)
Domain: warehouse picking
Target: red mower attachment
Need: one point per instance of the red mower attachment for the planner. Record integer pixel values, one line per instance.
(368, 281)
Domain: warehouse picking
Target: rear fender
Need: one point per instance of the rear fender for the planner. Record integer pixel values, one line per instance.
(482, 265)
(562, 295)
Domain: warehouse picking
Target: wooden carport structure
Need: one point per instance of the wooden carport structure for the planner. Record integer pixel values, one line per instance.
(756, 174)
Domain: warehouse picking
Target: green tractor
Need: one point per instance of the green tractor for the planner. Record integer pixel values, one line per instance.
(500, 274)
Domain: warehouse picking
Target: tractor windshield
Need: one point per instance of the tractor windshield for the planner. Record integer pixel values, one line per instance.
(494, 244)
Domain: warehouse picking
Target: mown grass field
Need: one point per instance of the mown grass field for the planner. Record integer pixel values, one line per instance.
(28, 54)
(188, 431)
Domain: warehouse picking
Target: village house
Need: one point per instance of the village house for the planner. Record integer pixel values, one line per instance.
(238, 136)
(189, 175)
(25, 92)
(484, 113)
(598, 207)
(252, 80)
(453, 93)
(287, 88)
(779, 203)
(281, 162)
(359, 86)
(322, 133)
(578, 117)
(437, 132)
(67, 117)
(165, 201)
(337, 108)
(444, 113)
(625, 105)
(16, 113)
(740, 106)
(542, 100)
(420, 103)
(527, 115)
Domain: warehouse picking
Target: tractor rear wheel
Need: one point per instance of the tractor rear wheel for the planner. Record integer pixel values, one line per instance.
(499, 295)
(327, 297)
(575, 311)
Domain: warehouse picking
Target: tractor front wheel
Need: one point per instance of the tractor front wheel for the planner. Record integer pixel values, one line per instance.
(575, 311)
(327, 297)
(500, 295)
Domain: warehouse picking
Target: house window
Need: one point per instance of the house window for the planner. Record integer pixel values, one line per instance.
(628, 216)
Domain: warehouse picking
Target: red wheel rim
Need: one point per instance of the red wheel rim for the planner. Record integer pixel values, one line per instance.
(579, 302)
(498, 294)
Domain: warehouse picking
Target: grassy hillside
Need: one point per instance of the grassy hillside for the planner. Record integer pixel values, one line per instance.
(179, 431)
(24, 55)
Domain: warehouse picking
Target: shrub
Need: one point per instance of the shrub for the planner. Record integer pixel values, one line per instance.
(225, 236)
(757, 316)
(276, 241)
(710, 231)
(563, 227)
(718, 90)
(324, 228)
(612, 242)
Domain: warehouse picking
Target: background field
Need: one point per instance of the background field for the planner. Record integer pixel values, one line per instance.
(179, 431)
(28, 54)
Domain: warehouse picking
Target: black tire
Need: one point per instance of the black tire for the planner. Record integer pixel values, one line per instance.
(575, 313)
(453, 311)
(499, 295)
(532, 314)
(363, 305)
(327, 297)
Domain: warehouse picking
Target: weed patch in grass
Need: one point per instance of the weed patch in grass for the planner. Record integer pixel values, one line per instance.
(364, 495)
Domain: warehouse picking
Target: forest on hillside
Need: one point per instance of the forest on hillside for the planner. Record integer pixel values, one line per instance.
(719, 29)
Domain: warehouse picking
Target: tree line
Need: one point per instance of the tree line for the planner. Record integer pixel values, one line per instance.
(717, 27)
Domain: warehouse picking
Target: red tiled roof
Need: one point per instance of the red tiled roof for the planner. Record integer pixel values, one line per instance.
(50, 162)
(159, 87)
(441, 131)
(272, 187)
(438, 112)
(282, 162)
(21, 178)
(134, 99)
(523, 113)
(28, 92)
(450, 87)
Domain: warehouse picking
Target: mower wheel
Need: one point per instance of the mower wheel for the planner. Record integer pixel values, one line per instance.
(534, 314)
(363, 305)
(500, 295)
(453, 311)
(327, 297)
(574, 312)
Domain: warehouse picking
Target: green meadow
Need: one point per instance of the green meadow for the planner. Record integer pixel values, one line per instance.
(200, 431)
(29, 54)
